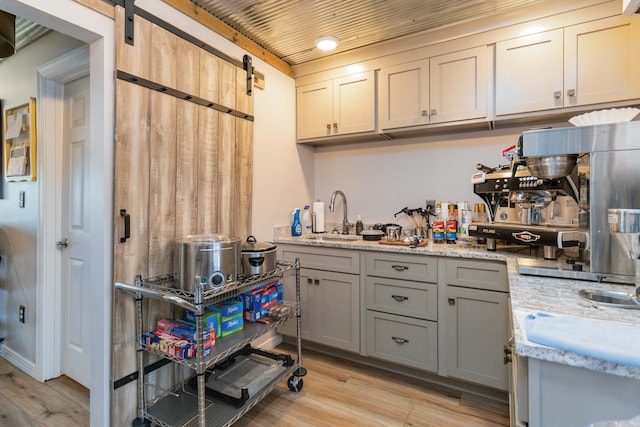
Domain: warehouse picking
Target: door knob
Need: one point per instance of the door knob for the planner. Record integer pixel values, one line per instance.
(62, 243)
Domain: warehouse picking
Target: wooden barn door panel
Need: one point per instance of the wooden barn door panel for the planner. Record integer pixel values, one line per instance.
(131, 257)
(181, 168)
(226, 150)
(187, 131)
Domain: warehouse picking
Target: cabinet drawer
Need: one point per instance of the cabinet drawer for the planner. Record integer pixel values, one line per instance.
(489, 275)
(402, 340)
(402, 297)
(329, 259)
(404, 267)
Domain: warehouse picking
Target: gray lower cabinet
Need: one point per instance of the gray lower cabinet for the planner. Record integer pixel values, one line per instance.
(476, 322)
(401, 294)
(330, 299)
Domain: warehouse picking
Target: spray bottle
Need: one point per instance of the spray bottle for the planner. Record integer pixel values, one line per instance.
(296, 227)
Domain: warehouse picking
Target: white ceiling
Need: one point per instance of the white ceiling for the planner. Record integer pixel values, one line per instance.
(288, 28)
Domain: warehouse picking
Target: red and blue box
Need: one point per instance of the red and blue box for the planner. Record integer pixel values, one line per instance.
(177, 339)
(258, 301)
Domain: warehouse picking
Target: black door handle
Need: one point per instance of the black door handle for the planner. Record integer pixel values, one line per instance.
(127, 225)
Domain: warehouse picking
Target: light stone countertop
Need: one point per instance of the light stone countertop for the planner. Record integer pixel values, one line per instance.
(528, 294)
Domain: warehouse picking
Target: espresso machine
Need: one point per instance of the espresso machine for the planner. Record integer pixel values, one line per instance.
(609, 155)
(530, 204)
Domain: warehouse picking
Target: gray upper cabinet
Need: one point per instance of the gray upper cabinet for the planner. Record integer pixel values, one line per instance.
(336, 107)
(585, 64)
(444, 88)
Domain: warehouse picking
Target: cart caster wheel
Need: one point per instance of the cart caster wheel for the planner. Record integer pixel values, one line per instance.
(139, 422)
(295, 384)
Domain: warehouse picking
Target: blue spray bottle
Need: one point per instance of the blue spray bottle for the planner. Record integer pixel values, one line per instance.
(296, 227)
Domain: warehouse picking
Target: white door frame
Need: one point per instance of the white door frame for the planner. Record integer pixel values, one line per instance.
(51, 79)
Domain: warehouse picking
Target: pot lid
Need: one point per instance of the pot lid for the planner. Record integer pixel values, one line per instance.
(251, 245)
(206, 239)
(372, 232)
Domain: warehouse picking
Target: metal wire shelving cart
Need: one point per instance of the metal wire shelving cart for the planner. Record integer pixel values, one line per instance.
(185, 408)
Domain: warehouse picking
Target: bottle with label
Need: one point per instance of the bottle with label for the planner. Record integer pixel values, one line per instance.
(480, 215)
(296, 227)
(306, 220)
(451, 225)
(359, 225)
(437, 226)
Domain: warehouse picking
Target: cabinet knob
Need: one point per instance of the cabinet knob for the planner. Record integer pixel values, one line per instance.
(451, 301)
(399, 267)
(335, 126)
(571, 92)
(434, 111)
(399, 298)
(309, 280)
(557, 94)
(424, 113)
(400, 340)
(328, 126)
(317, 281)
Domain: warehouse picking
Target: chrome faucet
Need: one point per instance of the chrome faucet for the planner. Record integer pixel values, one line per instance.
(345, 221)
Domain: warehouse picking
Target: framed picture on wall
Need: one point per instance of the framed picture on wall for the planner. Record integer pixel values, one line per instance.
(20, 142)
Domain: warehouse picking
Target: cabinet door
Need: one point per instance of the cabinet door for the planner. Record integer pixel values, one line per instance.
(336, 320)
(476, 332)
(289, 294)
(458, 85)
(354, 104)
(529, 73)
(314, 110)
(404, 95)
(601, 61)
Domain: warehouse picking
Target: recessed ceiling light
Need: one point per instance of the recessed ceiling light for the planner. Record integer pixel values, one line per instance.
(327, 43)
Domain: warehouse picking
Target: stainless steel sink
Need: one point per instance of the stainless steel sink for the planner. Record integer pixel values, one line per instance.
(611, 298)
(333, 237)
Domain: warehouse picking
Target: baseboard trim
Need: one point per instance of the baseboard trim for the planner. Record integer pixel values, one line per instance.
(460, 387)
(267, 341)
(19, 361)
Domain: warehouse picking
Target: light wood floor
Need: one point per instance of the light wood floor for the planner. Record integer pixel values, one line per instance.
(335, 393)
(25, 402)
(342, 393)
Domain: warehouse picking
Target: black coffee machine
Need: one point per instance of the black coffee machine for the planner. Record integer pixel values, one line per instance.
(525, 208)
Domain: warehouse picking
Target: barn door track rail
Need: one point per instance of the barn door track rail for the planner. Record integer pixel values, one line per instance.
(181, 95)
(130, 10)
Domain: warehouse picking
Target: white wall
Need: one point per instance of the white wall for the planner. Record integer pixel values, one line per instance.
(18, 226)
(381, 178)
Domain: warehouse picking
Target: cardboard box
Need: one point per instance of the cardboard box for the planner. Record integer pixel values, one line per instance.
(210, 320)
(229, 325)
(176, 347)
(258, 301)
(181, 329)
(227, 308)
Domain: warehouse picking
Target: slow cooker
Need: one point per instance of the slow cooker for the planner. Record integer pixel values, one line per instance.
(211, 259)
(258, 257)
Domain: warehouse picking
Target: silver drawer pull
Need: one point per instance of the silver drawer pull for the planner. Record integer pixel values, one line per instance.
(399, 267)
(400, 340)
(399, 297)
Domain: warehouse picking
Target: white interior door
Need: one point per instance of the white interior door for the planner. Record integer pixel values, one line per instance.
(74, 244)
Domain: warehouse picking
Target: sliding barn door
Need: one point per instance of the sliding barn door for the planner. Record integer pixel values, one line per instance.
(181, 168)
